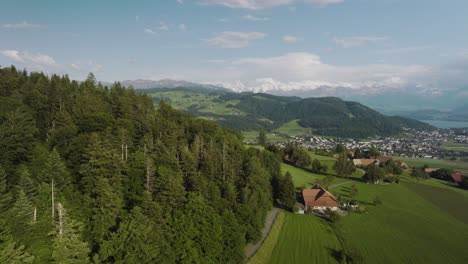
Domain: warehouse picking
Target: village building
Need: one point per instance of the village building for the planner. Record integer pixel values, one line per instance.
(320, 199)
(457, 177)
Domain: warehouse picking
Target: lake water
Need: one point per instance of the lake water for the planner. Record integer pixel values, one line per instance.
(446, 124)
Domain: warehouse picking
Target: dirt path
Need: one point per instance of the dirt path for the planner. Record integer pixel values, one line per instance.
(252, 248)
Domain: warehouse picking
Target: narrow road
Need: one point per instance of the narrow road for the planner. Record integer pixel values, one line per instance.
(339, 184)
(252, 248)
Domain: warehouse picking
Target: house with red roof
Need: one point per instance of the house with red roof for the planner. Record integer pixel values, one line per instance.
(318, 198)
(457, 177)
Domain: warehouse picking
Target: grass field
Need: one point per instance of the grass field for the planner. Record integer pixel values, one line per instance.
(292, 128)
(417, 222)
(419, 162)
(300, 176)
(264, 253)
(456, 146)
(409, 227)
(305, 239)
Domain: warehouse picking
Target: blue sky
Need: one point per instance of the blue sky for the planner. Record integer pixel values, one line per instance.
(245, 44)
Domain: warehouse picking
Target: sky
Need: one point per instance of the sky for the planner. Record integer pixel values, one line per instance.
(260, 45)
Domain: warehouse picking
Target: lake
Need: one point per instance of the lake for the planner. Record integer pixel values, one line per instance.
(446, 124)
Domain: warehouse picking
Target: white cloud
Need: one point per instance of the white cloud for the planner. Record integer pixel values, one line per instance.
(26, 57)
(261, 4)
(290, 39)
(86, 67)
(223, 20)
(137, 18)
(180, 2)
(149, 31)
(349, 42)
(254, 18)
(22, 25)
(302, 70)
(233, 40)
(182, 27)
(163, 27)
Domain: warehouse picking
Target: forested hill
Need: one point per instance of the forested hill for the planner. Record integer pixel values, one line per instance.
(96, 173)
(327, 116)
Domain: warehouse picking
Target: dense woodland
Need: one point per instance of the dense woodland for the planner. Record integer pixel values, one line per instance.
(95, 174)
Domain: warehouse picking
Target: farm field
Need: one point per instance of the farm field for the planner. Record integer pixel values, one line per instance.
(408, 227)
(292, 128)
(456, 146)
(305, 178)
(264, 253)
(419, 162)
(417, 222)
(305, 239)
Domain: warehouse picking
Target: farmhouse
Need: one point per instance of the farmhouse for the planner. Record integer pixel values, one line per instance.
(457, 177)
(318, 198)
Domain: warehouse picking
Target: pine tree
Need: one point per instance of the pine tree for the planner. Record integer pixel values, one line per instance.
(137, 240)
(344, 166)
(68, 248)
(56, 170)
(5, 195)
(12, 253)
(168, 188)
(287, 193)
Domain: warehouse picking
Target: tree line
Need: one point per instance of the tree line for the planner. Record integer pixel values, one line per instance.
(90, 173)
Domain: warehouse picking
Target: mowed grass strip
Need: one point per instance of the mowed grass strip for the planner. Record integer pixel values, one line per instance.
(405, 228)
(301, 177)
(450, 201)
(266, 250)
(305, 239)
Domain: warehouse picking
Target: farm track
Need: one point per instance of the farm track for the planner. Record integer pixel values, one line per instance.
(270, 220)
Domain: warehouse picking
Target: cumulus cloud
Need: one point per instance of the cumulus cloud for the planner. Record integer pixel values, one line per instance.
(290, 39)
(26, 57)
(22, 25)
(86, 67)
(254, 18)
(182, 27)
(306, 71)
(234, 40)
(349, 42)
(261, 4)
(180, 2)
(149, 31)
(163, 27)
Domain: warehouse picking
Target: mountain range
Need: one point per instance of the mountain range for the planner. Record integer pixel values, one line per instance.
(407, 102)
(327, 116)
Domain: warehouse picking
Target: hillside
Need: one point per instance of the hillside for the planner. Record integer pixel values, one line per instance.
(93, 172)
(328, 116)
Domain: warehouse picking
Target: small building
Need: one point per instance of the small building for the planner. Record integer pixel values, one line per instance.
(457, 177)
(320, 199)
(429, 170)
(364, 162)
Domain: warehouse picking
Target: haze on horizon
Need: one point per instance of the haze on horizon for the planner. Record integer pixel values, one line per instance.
(362, 47)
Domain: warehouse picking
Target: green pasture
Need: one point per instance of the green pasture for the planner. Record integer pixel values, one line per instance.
(305, 239)
(410, 226)
(434, 163)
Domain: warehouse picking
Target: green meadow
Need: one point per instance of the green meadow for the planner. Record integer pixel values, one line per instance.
(417, 222)
(434, 163)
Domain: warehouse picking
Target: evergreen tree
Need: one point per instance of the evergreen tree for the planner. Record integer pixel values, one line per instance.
(262, 140)
(10, 252)
(5, 195)
(344, 166)
(68, 248)
(136, 241)
(288, 194)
